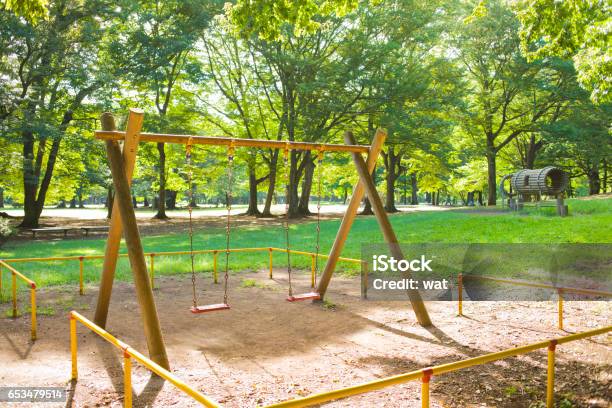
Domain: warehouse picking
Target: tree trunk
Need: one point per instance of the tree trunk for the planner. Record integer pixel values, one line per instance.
(110, 197)
(30, 181)
(252, 209)
(345, 195)
(306, 186)
(271, 185)
(594, 181)
(532, 150)
(146, 202)
(161, 202)
(1, 197)
(604, 179)
(80, 198)
(292, 186)
(390, 166)
(194, 199)
(480, 198)
(171, 199)
(470, 199)
(414, 198)
(492, 176)
(367, 206)
(134, 202)
(73, 203)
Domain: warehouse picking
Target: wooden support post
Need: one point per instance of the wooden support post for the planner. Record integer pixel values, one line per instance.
(130, 147)
(385, 225)
(270, 262)
(349, 216)
(138, 264)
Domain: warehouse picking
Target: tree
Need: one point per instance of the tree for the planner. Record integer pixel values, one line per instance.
(509, 96)
(154, 54)
(59, 67)
(267, 18)
(576, 29)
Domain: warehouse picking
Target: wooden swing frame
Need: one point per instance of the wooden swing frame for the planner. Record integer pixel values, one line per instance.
(123, 218)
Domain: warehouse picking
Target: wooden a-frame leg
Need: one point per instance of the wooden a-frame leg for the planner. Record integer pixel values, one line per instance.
(349, 216)
(130, 148)
(144, 293)
(385, 225)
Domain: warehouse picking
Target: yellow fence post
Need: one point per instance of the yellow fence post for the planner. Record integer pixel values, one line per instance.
(152, 257)
(127, 380)
(312, 271)
(560, 292)
(14, 295)
(73, 347)
(33, 310)
(215, 266)
(550, 381)
(81, 267)
(270, 261)
(460, 294)
(425, 387)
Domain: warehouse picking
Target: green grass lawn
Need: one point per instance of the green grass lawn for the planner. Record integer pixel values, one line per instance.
(589, 222)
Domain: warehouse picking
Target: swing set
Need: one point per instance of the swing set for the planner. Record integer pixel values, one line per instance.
(123, 219)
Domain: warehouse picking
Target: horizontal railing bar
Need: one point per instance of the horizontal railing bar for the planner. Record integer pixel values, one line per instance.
(151, 365)
(18, 274)
(436, 370)
(200, 251)
(228, 141)
(541, 285)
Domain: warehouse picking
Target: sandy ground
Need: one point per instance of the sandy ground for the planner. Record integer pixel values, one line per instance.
(266, 350)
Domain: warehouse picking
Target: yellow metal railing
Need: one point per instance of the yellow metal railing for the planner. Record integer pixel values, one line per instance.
(128, 354)
(16, 274)
(426, 374)
(559, 289)
(214, 252)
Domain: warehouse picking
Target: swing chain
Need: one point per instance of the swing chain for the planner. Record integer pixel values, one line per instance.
(230, 173)
(288, 195)
(190, 210)
(318, 246)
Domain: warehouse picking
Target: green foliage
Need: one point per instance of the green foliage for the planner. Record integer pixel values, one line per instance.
(267, 18)
(576, 29)
(32, 10)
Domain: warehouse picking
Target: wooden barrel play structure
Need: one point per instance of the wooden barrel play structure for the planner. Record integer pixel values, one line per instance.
(549, 180)
(532, 184)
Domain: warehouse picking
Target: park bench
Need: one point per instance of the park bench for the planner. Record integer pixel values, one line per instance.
(94, 228)
(51, 229)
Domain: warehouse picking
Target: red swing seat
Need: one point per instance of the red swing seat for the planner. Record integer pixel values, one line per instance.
(304, 296)
(209, 308)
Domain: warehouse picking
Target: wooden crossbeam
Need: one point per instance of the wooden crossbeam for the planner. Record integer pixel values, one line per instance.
(228, 141)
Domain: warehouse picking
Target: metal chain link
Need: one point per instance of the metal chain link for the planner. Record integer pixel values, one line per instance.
(318, 246)
(288, 184)
(230, 171)
(190, 210)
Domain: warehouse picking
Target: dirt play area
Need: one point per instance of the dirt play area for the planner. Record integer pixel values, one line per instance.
(265, 349)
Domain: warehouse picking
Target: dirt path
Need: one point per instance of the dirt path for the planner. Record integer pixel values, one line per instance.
(265, 349)
(178, 221)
